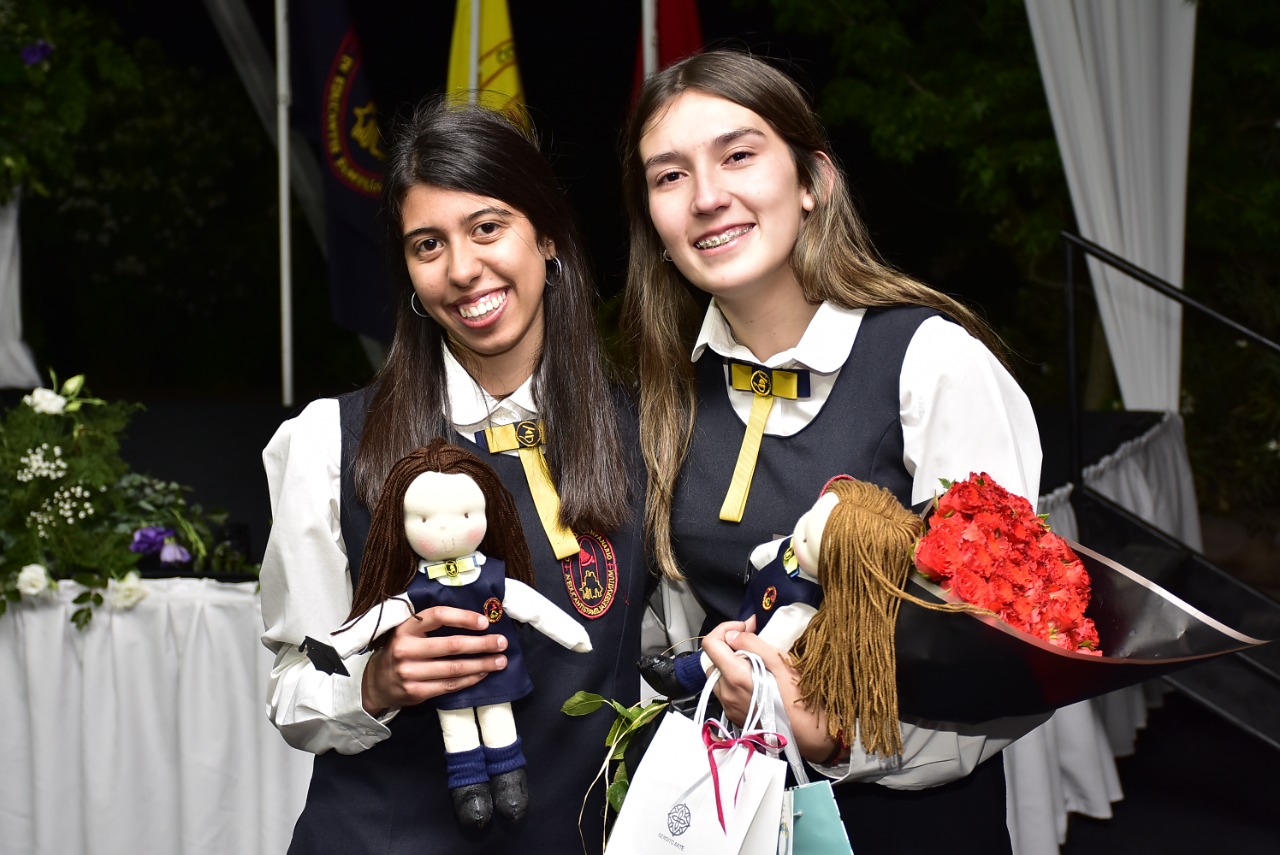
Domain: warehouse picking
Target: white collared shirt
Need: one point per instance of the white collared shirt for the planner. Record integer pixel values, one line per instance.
(960, 408)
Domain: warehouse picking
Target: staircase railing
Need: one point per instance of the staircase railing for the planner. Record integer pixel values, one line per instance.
(1076, 246)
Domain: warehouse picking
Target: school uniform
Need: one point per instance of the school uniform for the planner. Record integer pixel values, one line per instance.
(900, 397)
(378, 784)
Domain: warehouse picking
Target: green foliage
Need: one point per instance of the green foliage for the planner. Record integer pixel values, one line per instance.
(71, 509)
(630, 721)
(54, 59)
(949, 94)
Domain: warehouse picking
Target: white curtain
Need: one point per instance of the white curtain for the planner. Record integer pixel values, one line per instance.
(17, 371)
(1118, 80)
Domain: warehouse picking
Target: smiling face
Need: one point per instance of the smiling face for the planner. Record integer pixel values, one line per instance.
(479, 271)
(724, 195)
(444, 515)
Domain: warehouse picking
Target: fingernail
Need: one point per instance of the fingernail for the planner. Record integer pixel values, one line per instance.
(499, 662)
(502, 642)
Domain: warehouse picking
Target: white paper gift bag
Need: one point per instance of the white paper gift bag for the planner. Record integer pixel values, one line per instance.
(703, 788)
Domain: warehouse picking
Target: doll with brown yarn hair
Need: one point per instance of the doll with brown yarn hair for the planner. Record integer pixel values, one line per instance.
(830, 594)
(445, 531)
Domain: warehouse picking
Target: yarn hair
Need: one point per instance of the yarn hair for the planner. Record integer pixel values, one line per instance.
(389, 561)
(847, 658)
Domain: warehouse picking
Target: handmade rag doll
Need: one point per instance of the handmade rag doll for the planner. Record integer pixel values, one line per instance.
(445, 531)
(829, 594)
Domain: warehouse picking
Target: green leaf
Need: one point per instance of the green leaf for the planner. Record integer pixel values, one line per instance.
(81, 617)
(616, 794)
(582, 703)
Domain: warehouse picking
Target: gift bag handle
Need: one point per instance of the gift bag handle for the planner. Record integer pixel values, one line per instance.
(765, 712)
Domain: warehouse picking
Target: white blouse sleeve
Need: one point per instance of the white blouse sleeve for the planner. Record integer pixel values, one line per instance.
(306, 589)
(963, 412)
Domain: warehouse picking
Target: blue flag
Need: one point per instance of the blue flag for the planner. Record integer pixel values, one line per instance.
(334, 109)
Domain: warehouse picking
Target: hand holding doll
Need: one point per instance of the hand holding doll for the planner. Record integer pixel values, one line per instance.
(446, 537)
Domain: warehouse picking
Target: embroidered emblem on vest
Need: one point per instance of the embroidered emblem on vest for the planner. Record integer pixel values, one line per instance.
(591, 576)
(770, 598)
(493, 609)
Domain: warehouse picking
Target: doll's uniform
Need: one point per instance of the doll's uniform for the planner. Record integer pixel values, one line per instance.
(484, 595)
(777, 584)
(900, 397)
(379, 785)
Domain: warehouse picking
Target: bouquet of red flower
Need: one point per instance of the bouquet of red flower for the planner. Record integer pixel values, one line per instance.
(988, 547)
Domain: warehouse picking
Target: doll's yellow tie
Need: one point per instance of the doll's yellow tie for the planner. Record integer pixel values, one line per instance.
(451, 567)
(766, 384)
(526, 439)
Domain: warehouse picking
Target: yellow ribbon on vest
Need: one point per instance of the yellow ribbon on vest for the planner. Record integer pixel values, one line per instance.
(451, 568)
(525, 438)
(766, 384)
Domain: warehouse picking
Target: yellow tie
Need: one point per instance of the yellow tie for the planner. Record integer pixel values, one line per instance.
(526, 439)
(765, 384)
(451, 568)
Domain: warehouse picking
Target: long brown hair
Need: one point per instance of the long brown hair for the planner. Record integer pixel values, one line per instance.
(389, 561)
(477, 150)
(833, 258)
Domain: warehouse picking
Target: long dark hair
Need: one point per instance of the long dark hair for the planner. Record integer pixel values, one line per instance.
(833, 259)
(480, 151)
(390, 562)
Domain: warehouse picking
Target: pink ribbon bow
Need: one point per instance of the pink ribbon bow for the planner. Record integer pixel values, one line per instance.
(757, 740)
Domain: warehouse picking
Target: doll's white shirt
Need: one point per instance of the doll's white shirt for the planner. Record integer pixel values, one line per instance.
(306, 586)
(947, 377)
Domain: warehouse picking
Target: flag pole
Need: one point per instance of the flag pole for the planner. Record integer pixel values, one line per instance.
(283, 97)
(649, 33)
(473, 70)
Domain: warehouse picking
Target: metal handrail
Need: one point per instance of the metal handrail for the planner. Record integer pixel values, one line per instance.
(1074, 244)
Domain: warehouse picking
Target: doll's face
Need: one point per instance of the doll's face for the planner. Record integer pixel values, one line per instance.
(444, 516)
(807, 538)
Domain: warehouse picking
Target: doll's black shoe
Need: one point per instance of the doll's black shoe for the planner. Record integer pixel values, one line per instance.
(659, 671)
(511, 794)
(473, 805)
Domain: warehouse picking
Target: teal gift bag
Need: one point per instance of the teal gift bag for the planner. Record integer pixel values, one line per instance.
(816, 828)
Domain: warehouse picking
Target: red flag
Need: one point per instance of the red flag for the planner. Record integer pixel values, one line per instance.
(679, 34)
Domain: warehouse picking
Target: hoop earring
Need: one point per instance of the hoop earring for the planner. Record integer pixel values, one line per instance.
(551, 283)
(413, 295)
(666, 256)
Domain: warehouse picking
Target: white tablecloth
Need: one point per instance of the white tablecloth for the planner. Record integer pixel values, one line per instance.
(146, 733)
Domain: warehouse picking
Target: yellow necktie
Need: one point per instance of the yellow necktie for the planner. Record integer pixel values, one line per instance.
(451, 568)
(765, 384)
(526, 439)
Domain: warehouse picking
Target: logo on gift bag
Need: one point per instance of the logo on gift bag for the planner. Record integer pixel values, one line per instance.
(679, 819)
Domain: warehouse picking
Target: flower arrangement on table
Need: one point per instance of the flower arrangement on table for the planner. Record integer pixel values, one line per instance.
(70, 508)
(990, 548)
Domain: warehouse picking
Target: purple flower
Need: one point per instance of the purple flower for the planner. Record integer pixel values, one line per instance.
(150, 539)
(37, 51)
(173, 553)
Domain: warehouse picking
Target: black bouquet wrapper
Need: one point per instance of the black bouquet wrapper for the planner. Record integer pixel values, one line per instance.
(961, 667)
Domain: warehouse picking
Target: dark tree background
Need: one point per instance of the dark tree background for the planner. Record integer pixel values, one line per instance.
(155, 268)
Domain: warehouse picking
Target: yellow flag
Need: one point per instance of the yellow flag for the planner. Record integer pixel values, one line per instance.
(495, 82)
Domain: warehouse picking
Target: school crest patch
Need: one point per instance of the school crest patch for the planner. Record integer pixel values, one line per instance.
(591, 576)
(770, 598)
(493, 609)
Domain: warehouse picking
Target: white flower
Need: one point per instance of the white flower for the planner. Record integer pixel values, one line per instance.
(45, 401)
(127, 592)
(33, 580)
